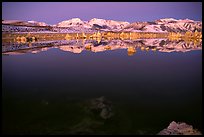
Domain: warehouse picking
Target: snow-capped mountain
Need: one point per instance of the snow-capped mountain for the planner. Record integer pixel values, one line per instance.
(165, 25)
(35, 23)
(161, 25)
(108, 23)
(75, 22)
(76, 25)
(93, 23)
(23, 23)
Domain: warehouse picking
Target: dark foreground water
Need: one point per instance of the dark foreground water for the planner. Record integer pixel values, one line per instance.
(46, 93)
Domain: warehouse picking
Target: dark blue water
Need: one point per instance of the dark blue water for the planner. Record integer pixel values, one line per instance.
(42, 92)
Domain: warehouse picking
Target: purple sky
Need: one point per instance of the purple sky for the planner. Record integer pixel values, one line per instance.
(54, 12)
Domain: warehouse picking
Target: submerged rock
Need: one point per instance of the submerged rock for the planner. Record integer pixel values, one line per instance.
(179, 128)
(103, 106)
(106, 113)
(95, 112)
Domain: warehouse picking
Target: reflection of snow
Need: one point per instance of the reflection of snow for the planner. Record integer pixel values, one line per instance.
(73, 49)
(74, 46)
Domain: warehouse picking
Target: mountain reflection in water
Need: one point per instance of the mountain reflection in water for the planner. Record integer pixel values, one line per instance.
(77, 46)
(63, 92)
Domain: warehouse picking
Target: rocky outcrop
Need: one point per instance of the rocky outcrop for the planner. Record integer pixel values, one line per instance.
(179, 128)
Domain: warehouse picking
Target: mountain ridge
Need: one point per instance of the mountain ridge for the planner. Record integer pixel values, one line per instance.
(159, 25)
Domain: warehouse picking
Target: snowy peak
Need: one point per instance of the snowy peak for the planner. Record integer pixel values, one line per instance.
(76, 19)
(161, 25)
(24, 23)
(186, 20)
(76, 22)
(165, 25)
(167, 20)
(37, 23)
(77, 25)
(172, 20)
(97, 21)
(110, 23)
(72, 22)
(11, 21)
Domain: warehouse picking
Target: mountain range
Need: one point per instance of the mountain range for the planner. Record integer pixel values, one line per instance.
(77, 25)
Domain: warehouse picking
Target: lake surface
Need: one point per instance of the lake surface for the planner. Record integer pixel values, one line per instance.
(46, 92)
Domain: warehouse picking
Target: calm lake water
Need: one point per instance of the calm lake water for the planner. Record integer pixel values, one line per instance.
(46, 92)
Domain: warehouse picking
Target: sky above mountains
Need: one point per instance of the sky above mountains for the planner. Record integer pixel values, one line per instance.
(55, 12)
